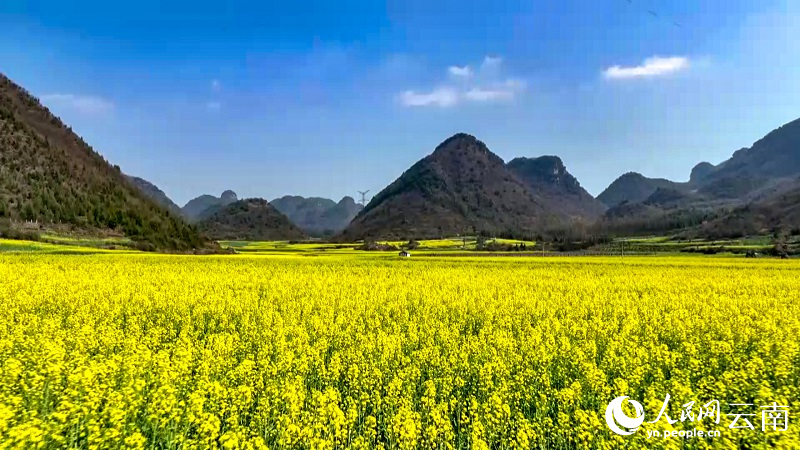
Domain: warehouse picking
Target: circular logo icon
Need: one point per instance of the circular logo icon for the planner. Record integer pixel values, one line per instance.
(618, 421)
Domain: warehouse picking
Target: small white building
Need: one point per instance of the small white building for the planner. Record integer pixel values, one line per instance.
(405, 254)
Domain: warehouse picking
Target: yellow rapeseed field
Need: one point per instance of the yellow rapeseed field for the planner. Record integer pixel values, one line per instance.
(184, 352)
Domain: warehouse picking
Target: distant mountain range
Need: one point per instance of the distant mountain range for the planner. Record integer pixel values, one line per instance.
(51, 177)
(745, 194)
(771, 159)
(634, 187)
(315, 216)
(318, 216)
(462, 187)
(205, 205)
(251, 219)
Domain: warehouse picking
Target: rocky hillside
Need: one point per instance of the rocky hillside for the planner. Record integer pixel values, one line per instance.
(461, 187)
(776, 213)
(548, 179)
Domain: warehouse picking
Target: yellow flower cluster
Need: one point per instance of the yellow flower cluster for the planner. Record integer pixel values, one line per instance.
(186, 352)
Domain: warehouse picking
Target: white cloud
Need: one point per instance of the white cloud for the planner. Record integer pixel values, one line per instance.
(460, 72)
(488, 95)
(484, 87)
(442, 97)
(651, 67)
(85, 104)
(213, 106)
(502, 91)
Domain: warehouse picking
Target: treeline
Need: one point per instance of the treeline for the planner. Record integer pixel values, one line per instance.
(579, 234)
(655, 222)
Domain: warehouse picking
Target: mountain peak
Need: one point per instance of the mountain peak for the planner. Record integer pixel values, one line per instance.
(461, 186)
(631, 176)
(229, 196)
(458, 138)
(251, 219)
(204, 205)
(548, 178)
(545, 167)
(461, 150)
(634, 187)
(700, 171)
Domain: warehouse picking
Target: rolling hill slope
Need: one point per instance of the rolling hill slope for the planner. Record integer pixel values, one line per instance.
(462, 187)
(548, 179)
(252, 219)
(50, 175)
(153, 191)
(778, 212)
(634, 187)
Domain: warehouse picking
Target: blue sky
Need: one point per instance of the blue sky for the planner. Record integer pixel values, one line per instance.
(328, 98)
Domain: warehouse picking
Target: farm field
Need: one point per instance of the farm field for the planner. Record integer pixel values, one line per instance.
(656, 245)
(136, 350)
(62, 248)
(424, 246)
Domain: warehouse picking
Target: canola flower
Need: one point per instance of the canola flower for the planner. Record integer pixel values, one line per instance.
(181, 352)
